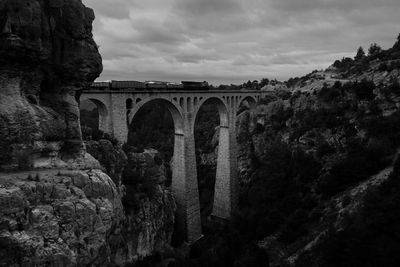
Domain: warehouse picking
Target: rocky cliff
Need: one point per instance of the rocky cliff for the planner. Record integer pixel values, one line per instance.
(149, 207)
(46, 53)
(58, 218)
(59, 205)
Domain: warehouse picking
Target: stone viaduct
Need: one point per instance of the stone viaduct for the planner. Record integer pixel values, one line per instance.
(117, 109)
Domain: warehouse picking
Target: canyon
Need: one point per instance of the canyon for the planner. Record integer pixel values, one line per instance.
(317, 161)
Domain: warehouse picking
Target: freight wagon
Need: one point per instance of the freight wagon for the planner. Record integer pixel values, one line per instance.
(100, 85)
(127, 85)
(195, 85)
(135, 85)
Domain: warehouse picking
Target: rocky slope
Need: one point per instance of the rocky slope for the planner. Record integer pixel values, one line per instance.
(381, 67)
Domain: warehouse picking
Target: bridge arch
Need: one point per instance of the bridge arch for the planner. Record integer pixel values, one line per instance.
(221, 105)
(175, 111)
(251, 100)
(104, 113)
(222, 202)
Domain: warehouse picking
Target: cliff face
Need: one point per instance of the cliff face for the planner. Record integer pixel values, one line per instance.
(149, 205)
(46, 53)
(149, 208)
(58, 206)
(80, 217)
(58, 218)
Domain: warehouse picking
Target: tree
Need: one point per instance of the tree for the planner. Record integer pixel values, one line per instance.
(254, 85)
(360, 54)
(374, 50)
(248, 84)
(264, 82)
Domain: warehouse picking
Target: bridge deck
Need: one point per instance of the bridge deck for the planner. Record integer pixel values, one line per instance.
(164, 91)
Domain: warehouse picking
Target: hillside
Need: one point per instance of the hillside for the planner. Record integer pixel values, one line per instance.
(378, 65)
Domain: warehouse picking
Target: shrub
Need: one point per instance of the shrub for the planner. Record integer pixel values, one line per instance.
(361, 162)
(328, 94)
(364, 90)
(394, 87)
(384, 127)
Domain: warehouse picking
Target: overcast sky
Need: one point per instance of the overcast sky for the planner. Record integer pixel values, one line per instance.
(232, 41)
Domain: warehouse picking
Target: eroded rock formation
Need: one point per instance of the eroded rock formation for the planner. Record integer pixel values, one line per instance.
(46, 53)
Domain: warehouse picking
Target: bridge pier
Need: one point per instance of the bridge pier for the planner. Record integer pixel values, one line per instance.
(120, 127)
(184, 182)
(226, 184)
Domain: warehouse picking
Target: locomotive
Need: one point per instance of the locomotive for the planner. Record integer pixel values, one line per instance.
(157, 85)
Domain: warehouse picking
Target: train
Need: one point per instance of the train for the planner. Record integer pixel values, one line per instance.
(157, 85)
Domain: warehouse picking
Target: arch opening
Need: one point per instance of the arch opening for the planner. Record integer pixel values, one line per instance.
(211, 118)
(129, 104)
(153, 126)
(246, 103)
(94, 119)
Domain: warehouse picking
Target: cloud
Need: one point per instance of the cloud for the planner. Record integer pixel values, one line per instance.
(119, 8)
(226, 41)
(210, 16)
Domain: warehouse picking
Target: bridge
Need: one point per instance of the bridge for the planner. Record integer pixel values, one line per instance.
(117, 109)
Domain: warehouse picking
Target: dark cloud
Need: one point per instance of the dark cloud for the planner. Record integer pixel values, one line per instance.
(152, 33)
(210, 16)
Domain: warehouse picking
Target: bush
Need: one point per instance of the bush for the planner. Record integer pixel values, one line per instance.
(394, 87)
(360, 163)
(384, 127)
(328, 94)
(364, 90)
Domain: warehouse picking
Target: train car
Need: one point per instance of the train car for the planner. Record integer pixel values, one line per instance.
(195, 85)
(174, 86)
(156, 85)
(116, 85)
(100, 85)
